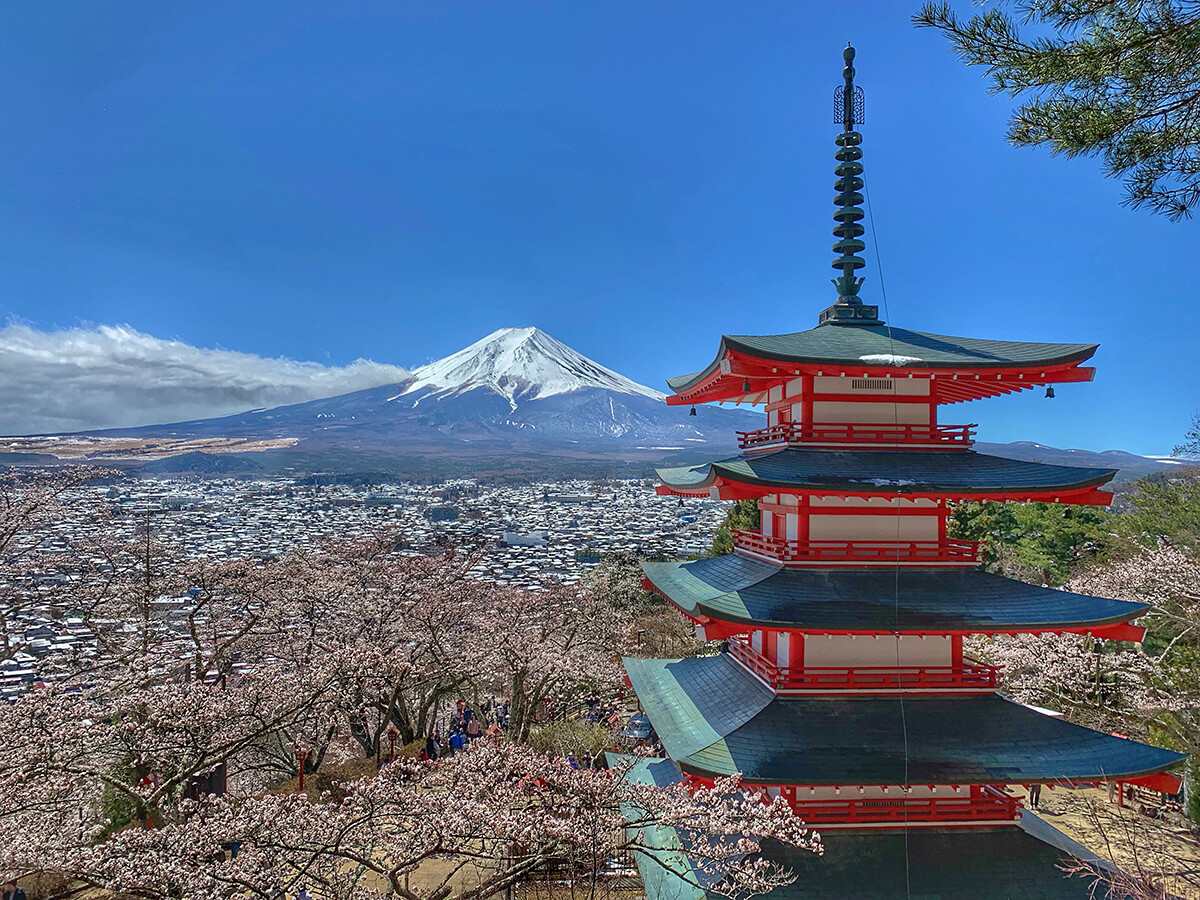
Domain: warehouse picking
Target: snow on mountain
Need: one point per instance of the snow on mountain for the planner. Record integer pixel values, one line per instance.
(520, 364)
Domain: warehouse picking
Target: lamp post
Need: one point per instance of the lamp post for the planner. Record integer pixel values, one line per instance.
(392, 734)
(301, 759)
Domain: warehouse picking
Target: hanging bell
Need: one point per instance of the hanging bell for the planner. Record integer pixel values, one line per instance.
(1049, 393)
(746, 386)
(693, 412)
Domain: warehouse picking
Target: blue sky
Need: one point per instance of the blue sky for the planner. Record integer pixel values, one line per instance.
(393, 180)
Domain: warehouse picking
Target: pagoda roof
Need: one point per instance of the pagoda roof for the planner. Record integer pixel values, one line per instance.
(938, 863)
(743, 590)
(876, 345)
(715, 719)
(960, 474)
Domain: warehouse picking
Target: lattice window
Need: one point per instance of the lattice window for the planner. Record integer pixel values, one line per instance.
(872, 384)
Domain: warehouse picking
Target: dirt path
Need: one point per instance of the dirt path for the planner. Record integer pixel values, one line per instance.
(1161, 847)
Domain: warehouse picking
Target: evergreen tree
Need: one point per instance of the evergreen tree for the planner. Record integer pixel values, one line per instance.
(1118, 79)
(1191, 439)
(1042, 543)
(742, 516)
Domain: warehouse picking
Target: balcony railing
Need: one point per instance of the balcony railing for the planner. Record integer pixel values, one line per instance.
(945, 436)
(989, 805)
(971, 676)
(797, 553)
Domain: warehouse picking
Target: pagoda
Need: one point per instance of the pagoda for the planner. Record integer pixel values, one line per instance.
(842, 684)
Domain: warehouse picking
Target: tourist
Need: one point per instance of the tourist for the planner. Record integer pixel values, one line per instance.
(456, 741)
(1035, 795)
(431, 747)
(473, 730)
(303, 894)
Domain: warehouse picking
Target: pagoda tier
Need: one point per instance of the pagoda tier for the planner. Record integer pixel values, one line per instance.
(843, 686)
(940, 368)
(948, 864)
(733, 594)
(964, 475)
(716, 719)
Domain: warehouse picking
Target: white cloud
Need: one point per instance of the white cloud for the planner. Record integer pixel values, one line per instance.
(108, 376)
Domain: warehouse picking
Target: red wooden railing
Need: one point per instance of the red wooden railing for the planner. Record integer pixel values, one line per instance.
(950, 550)
(971, 675)
(838, 433)
(989, 805)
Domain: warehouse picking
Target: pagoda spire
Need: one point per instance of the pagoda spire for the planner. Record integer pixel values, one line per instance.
(848, 110)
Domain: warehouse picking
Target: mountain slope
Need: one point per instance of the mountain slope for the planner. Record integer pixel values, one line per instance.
(521, 364)
(516, 393)
(517, 389)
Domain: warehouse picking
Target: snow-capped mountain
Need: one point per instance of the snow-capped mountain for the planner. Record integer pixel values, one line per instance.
(518, 389)
(521, 364)
(516, 401)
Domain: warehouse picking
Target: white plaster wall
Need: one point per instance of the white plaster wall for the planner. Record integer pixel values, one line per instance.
(870, 413)
(872, 528)
(901, 387)
(866, 650)
(793, 526)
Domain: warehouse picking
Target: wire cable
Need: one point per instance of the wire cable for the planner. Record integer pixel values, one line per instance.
(896, 569)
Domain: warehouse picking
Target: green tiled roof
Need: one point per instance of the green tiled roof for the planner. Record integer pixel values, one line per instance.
(881, 344)
(894, 471)
(968, 739)
(930, 864)
(966, 864)
(737, 588)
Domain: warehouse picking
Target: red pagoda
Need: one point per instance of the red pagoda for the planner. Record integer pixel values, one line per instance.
(844, 686)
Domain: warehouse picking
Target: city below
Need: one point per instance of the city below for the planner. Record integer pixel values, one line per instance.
(525, 536)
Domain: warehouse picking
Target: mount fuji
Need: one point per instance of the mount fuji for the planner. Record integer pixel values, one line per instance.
(521, 364)
(516, 391)
(516, 403)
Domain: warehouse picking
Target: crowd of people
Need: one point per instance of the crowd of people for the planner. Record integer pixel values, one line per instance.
(465, 726)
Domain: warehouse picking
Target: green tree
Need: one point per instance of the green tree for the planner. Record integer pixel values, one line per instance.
(743, 516)
(1191, 439)
(1165, 509)
(1117, 79)
(1043, 543)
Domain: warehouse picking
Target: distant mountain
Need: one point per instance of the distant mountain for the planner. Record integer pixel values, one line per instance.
(1131, 465)
(518, 389)
(517, 400)
(520, 364)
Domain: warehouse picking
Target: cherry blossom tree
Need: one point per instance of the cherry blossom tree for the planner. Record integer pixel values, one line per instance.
(1153, 689)
(465, 828)
(536, 646)
(168, 743)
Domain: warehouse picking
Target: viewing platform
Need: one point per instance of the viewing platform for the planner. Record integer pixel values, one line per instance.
(970, 676)
(934, 437)
(948, 552)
